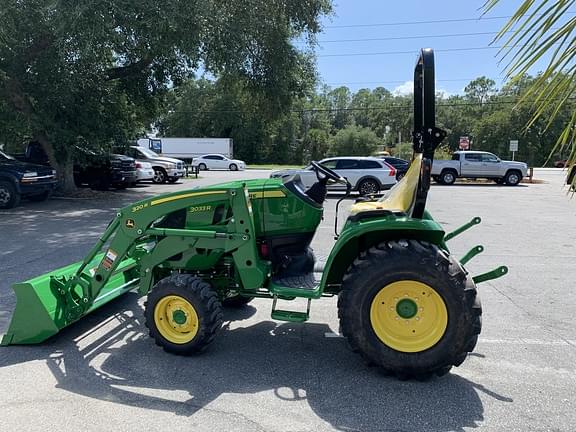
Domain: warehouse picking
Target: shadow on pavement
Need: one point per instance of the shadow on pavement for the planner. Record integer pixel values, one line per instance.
(107, 356)
(482, 185)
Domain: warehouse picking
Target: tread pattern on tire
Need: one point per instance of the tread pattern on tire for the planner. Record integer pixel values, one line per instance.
(207, 307)
(424, 255)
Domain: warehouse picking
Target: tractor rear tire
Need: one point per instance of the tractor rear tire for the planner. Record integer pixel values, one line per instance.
(410, 308)
(236, 301)
(183, 314)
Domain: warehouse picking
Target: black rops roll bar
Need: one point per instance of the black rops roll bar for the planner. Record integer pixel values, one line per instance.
(426, 137)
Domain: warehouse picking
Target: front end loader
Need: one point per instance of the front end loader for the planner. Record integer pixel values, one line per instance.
(404, 302)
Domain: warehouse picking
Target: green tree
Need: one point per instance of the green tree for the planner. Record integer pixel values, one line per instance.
(339, 100)
(94, 72)
(480, 90)
(316, 145)
(354, 141)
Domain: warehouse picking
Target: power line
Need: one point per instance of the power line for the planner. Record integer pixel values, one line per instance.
(415, 37)
(401, 82)
(412, 51)
(480, 19)
(380, 108)
(408, 106)
(407, 37)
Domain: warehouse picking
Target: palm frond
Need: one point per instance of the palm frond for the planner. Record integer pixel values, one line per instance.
(541, 29)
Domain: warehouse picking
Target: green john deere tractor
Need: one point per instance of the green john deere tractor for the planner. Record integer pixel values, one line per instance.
(404, 302)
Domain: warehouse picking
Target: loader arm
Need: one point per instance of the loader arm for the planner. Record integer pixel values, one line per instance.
(134, 223)
(125, 256)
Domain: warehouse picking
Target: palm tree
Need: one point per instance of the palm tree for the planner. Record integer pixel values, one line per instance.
(540, 29)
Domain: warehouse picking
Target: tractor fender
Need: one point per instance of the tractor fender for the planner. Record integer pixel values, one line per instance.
(357, 237)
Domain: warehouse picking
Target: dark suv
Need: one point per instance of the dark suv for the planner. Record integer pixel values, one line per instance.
(93, 167)
(401, 165)
(22, 179)
(101, 171)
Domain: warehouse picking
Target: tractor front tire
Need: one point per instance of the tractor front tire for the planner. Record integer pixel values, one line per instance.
(183, 314)
(410, 308)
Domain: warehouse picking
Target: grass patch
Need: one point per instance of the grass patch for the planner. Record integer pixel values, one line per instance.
(272, 166)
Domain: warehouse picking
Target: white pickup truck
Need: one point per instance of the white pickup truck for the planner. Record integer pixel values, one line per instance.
(478, 164)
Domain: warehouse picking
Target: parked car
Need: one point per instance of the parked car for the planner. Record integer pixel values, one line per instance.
(217, 161)
(144, 171)
(478, 164)
(401, 165)
(93, 167)
(165, 169)
(367, 175)
(102, 170)
(22, 179)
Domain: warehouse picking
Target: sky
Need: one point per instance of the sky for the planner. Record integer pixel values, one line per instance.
(363, 19)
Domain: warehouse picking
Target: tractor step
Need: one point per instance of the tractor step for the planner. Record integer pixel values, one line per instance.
(291, 316)
(303, 285)
(304, 281)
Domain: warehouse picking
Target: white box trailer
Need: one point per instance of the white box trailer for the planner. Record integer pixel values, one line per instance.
(188, 148)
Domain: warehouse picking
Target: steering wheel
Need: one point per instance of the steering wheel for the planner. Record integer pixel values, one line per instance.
(328, 173)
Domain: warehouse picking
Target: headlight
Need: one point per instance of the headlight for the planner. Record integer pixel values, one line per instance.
(30, 174)
(54, 173)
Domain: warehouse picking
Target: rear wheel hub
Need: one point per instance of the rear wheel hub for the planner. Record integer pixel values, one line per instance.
(408, 316)
(406, 308)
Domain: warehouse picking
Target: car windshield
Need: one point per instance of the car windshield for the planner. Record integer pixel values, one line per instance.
(5, 156)
(148, 153)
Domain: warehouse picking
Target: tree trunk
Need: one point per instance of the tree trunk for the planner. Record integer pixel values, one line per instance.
(64, 168)
(22, 103)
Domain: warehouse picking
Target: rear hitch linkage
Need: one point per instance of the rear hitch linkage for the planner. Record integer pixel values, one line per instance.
(476, 250)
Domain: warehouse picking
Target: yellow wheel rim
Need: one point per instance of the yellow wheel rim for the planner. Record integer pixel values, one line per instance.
(176, 319)
(408, 316)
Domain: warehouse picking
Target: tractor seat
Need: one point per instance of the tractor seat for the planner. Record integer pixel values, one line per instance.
(401, 197)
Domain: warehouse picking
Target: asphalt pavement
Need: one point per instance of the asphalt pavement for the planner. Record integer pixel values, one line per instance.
(104, 373)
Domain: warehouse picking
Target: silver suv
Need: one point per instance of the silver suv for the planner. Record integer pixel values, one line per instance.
(165, 168)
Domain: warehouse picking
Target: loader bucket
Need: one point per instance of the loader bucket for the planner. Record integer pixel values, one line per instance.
(39, 312)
